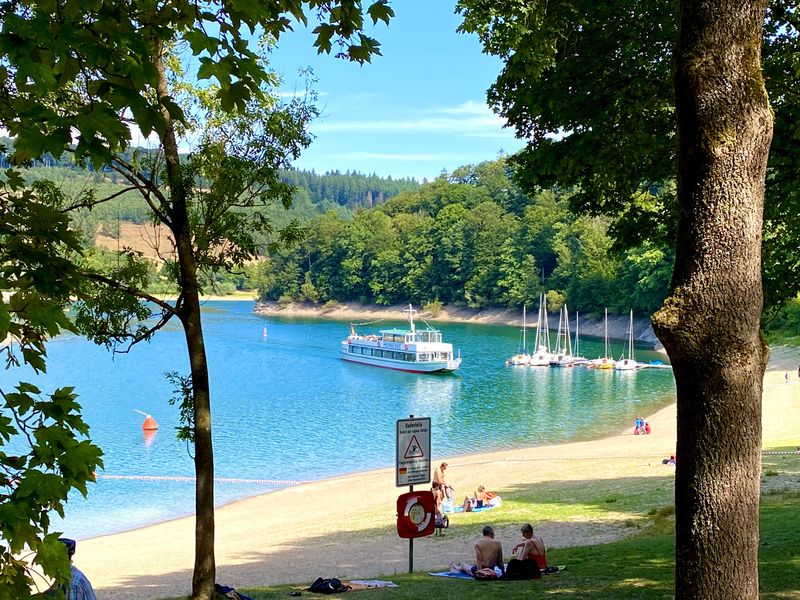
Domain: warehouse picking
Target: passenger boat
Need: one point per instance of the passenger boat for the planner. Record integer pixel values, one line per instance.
(413, 350)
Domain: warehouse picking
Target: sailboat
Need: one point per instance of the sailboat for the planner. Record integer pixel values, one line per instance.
(562, 356)
(541, 356)
(522, 358)
(606, 361)
(576, 350)
(629, 363)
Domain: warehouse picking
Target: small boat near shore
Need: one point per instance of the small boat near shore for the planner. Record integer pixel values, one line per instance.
(412, 350)
(522, 358)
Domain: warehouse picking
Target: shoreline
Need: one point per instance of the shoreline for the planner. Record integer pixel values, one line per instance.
(345, 311)
(328, 527)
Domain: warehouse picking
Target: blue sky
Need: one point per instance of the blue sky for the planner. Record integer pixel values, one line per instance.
(415, 111)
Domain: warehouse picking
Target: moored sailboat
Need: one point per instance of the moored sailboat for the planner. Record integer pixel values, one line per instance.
(628, 363)
(541, 356)
(605, 361)
(562, 356)
(522, 358)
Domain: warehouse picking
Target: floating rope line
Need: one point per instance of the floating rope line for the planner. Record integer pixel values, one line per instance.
(294, 482)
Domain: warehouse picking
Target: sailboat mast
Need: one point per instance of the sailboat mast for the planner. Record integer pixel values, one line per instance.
(524, 332)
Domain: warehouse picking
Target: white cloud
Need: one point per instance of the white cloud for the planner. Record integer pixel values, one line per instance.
(427, 124)
(470, 107)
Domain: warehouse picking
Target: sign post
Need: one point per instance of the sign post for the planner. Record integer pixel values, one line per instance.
(414, 467)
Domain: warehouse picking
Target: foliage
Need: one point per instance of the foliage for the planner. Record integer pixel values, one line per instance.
(44, 448)
(451, 241)
(591, 86)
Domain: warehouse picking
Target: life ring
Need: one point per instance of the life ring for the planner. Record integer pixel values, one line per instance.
(405, 347)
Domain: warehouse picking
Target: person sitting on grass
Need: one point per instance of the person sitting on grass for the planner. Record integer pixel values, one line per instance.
(488, 555)
(531, 547)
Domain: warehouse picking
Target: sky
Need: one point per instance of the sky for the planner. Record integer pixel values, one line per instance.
(417, 110)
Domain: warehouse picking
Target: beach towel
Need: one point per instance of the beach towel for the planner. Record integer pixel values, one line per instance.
(373, 583)
(459, 509)
(458, 575)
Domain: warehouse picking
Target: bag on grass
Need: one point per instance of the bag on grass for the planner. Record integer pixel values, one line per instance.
(327, 586)
(229, 592)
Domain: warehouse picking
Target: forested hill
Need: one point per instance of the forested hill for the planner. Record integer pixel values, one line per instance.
(350, 189)
(470, 238)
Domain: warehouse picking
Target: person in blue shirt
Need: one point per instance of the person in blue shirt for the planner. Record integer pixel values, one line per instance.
(79, 587)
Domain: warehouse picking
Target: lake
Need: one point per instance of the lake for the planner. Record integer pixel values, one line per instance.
(286, 408)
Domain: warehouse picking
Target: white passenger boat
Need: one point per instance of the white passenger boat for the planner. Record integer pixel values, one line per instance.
(414, 350)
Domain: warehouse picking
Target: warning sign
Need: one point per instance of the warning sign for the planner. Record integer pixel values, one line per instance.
(413, 451)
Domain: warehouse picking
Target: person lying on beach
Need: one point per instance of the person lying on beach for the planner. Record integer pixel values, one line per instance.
(488, 555)
(486, 498)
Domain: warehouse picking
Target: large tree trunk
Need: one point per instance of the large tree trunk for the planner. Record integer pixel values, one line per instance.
(710, 323)
(204, 574)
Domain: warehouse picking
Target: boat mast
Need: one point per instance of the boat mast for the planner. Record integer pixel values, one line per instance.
(411, 312)
(630, 338)
(524, 332)
(567, 342)
(605, 336)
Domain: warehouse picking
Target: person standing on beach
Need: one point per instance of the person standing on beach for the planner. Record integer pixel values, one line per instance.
(488, 555)
(438, 477)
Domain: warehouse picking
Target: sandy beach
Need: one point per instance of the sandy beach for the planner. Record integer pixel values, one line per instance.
(344, 526)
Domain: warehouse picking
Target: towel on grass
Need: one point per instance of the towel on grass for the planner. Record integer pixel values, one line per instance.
(459, 575)
(373, 583)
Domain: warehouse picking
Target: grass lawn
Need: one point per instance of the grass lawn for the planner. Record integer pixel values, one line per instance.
(640, 566)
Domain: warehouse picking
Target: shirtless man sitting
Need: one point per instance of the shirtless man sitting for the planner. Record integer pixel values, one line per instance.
(488, 555)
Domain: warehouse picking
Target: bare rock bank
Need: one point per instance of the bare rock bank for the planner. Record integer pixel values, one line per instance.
(590, 325)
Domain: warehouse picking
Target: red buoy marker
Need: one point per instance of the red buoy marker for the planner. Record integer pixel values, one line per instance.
(149, 424)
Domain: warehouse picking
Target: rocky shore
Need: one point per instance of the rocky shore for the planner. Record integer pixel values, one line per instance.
(590, 325)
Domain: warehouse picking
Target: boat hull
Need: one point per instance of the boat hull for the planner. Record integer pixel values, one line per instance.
(439, 366)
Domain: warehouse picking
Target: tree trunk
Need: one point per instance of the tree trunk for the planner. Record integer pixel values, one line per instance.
(204, 574)
(710, 322)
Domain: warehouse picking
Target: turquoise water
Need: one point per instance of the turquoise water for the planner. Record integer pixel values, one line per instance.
(287, 408)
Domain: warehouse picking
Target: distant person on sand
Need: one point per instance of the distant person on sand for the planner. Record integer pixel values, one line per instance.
(488, 555)
(79, 587)
(438, 477)
(647, 428)
(786, 375)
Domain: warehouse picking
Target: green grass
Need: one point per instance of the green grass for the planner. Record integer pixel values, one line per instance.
(641, 566)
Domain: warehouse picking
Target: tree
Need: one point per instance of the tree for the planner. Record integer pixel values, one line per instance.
(44, 450)
(710, 321)
(595, 75)
(96, 68)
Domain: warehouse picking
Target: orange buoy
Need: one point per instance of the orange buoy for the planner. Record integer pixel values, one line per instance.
(149, 423)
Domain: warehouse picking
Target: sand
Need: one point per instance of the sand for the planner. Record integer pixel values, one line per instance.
(328, 528)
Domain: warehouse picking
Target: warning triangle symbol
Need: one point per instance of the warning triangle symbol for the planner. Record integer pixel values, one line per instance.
(414, 450)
